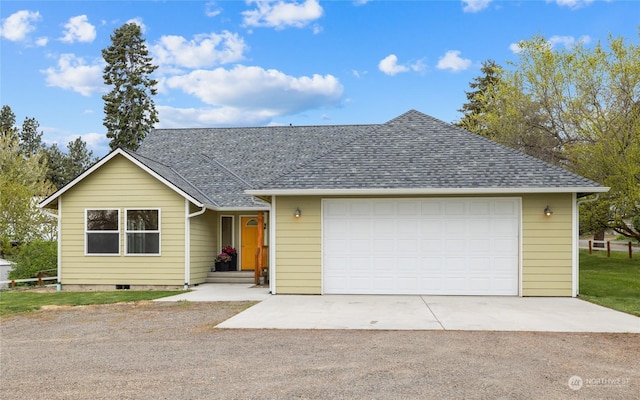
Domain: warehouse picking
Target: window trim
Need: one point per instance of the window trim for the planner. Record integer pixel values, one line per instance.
(127, 231)
(87, 232)
(233, 231)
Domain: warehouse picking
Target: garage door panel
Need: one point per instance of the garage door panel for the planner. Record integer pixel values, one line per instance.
(454, 208)
(409, 208)
(478, 207)
(421, 246)
(336, 228)
(383, 226)
(504, 227)
(480, 285)
(431, 245)
(406, 285)
(384, 209)
(479, 265)
(505, 207)
(428, 207)
(480, 246)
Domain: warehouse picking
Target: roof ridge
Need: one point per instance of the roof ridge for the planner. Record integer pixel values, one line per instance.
(260, 127)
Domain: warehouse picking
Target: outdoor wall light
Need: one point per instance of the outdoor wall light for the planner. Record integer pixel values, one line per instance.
(297, 213)
(547, 211)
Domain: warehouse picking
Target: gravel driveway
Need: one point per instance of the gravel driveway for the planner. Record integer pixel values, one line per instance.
(172, 351)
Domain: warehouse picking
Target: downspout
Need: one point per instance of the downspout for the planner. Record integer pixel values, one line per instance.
(59, 235)
(576, 248)
(187, 241)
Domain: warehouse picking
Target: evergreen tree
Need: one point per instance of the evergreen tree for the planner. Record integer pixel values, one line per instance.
(130, 112)
(7, 121)
(30, 138)
(478, 99)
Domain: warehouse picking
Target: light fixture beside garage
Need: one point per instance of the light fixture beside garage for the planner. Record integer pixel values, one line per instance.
(547, 211)
(297, 213)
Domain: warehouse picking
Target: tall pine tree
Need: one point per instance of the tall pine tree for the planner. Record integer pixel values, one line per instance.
(130, 111)
(477, 99)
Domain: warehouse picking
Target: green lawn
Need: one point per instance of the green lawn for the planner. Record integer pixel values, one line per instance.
(611, 282)
(12, 302)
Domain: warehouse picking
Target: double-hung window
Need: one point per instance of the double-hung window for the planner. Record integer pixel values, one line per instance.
(102, 230)
(143, 231)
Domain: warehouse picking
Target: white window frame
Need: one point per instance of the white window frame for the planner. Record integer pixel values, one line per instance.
(127, 232)
(87, 232)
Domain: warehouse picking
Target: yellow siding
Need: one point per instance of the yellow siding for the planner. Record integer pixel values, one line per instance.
(299, 246)
(204, 232)
(546, 244)
(121, 184)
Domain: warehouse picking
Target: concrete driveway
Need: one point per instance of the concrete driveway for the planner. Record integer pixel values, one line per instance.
(474, 313)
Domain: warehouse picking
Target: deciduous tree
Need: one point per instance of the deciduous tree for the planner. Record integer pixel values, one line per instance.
(578, 108)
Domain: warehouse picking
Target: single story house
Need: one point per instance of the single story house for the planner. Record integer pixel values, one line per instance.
(410, 206)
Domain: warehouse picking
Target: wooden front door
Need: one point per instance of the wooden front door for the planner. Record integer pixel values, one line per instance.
(248, 242)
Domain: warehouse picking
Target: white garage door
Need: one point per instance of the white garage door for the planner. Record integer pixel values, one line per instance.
(421, 246)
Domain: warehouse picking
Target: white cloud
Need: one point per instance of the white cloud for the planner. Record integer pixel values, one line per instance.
(72, 73)
(18, 25)
(203, 50)
(270, 92)
(515, 48)
(568, 41)
(389, 65)
(211, 9)
(42, 41)
(171, 117)
(452, 61)
(280, 14)
(556, 40)
(475, 5)
(78, 29)
(573, 4)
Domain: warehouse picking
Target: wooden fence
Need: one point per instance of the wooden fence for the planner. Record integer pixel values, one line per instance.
(629, 246)
(40, 280)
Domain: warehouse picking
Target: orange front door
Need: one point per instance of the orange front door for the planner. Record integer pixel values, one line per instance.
(248, 242)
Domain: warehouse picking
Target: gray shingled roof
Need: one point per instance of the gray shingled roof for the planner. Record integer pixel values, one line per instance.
(412, 151)
(224, 162)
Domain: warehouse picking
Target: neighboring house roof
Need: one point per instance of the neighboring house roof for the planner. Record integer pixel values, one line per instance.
(414, 153)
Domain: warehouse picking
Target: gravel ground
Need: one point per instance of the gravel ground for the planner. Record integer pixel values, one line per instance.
(172, 351)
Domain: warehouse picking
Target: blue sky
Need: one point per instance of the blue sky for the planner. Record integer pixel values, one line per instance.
(257, 63)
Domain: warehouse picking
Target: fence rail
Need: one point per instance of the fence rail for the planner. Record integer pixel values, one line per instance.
(40, 281)
(629, 246)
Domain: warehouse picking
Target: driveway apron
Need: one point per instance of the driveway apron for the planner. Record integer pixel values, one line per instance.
(548, 314)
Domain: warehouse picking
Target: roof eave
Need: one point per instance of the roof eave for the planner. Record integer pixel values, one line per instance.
(423, 191)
